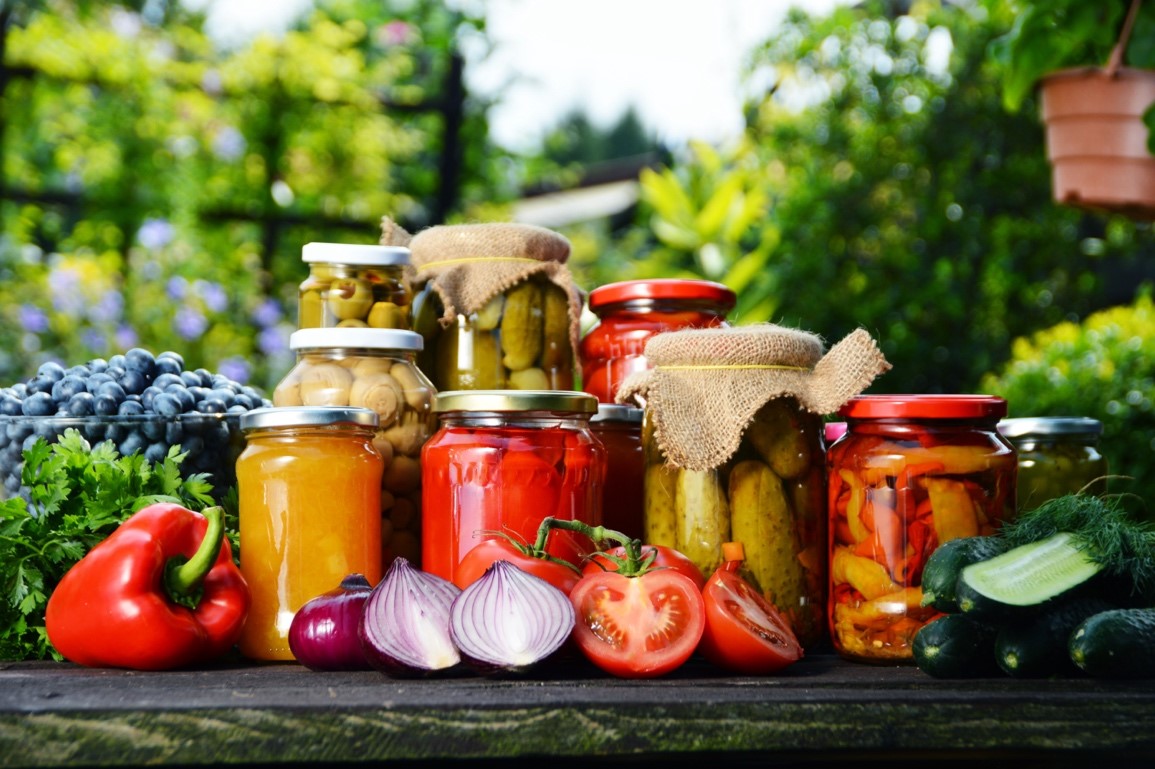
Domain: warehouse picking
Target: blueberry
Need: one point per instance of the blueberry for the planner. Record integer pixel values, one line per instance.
(194, 445)
(213, 406)
(52, 370)
(106, 405)
(140, 359)
(112, 390)
(167, 404)
(17, 432)
(147, 395)
(191, 379)
(81, 371)
(156, 452)
(117, 433)
(184, 396)
(117, 360)
(174, 432)
(39, 404)
(132, 443)
(97, 365)
(164, 381)
(10, 405)
(199, 393)
(176, 357)
(81, 404)
(70, 385)
(152, 430)
(96, 380)
(132, 381)
(41, 384)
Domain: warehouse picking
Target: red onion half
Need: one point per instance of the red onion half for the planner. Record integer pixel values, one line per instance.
(324, 634)
(404, 626)
(508, 619)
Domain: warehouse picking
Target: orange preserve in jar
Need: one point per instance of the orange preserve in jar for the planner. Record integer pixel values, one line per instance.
(500, 463)
(619, 428)
(910, 473)
(309, 487)
(632, 311)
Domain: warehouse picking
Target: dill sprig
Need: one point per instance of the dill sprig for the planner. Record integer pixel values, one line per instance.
(1122, 545)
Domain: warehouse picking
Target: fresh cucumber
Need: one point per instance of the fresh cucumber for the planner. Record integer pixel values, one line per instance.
(941, 572)
(1036, 647)
(1119, 643)
(1026, 577)
(955, 646)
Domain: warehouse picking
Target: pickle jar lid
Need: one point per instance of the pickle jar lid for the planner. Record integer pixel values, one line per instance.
(617, 412)
(662, 288)
(368, 338)
(924, 407)
(1031, 427)
(307, 416)
(515, 400)
(355, 253)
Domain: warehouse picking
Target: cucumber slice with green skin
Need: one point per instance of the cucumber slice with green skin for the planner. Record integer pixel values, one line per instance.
(941, 573)
(1032, 574)
(1116, 644)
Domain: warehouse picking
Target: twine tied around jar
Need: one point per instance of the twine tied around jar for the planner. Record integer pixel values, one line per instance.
(706, 385)
(469, 264)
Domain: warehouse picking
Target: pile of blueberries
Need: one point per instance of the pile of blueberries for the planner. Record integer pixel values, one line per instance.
(141, 402)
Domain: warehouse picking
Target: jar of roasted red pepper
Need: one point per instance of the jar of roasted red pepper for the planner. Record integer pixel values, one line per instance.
(501, 462)
(619, 428)
(632, 311)
(911, 472)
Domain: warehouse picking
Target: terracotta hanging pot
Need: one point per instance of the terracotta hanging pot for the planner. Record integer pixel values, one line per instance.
(1097, 140)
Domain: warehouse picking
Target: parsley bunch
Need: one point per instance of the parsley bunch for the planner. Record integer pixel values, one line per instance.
(77, 494)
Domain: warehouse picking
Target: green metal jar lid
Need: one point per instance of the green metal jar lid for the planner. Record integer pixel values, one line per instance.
(1036, 427)
(617, 412)
(515, 400)
(355, 254)
(307, 416)
(365, 338)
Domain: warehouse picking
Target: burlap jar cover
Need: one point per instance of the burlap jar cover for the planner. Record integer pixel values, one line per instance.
(706, 385)
(468, 265)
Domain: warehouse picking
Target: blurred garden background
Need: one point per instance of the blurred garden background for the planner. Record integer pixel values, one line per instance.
(156, 190)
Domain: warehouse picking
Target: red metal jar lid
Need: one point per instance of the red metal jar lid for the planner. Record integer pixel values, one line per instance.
(925, 407)
(662, 288)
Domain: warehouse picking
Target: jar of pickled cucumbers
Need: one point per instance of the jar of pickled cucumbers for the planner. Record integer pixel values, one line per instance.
(309, 486)
(354, 286)
(497, 307)
(910, 473)
(1057, 456)
(632, 311)
(748, 467)
(619, 428)
(501, 462)
(376, 369)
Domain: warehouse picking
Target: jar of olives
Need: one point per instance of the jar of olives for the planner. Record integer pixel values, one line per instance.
(354, 286)
(375, 369)
(1057, 456)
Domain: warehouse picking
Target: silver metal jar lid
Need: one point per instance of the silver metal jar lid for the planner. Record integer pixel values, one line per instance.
(355, 254)
(515, 400)
(307, 416)
(1028, 427)
(617, 412)
(365, 338)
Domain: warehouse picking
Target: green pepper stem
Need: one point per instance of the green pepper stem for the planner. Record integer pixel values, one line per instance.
(183, 579)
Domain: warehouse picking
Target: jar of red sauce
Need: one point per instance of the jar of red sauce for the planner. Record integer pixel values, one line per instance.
(632, 311)
(501, 462)
(910, 473)
(619, 428)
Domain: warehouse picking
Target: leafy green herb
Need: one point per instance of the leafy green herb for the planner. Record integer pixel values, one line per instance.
(77, 495)
(1113, 537)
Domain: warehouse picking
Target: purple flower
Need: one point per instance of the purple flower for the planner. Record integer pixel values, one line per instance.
(92, 339)
(229, 144)
(126, 338)
(273, 340)
(33, 319)
(64, 285)
(155, 233)
(109, 309)
(267, 313)
(212, 294)
(177, 287)
(236, 368)
(190, 323)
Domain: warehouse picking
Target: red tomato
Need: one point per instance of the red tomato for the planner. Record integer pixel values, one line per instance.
(481, 557)
(638, 627)
(665, 558)
(744, 632)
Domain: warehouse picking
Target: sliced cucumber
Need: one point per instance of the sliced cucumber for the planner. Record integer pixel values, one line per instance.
(1032, 574)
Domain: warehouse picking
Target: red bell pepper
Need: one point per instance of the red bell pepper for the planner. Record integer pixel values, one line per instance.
(160, 592)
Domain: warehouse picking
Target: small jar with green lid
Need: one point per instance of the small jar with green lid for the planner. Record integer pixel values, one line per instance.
(1057, 456)
(354, 286)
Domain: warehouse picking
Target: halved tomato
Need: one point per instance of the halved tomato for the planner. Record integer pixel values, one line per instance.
(638, 627)
(744, 632)
(664, 558)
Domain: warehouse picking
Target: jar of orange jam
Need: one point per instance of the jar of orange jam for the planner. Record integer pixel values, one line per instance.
(500, 463)
(619, 428)
(309, 486)
(630, 312)
(910, 473)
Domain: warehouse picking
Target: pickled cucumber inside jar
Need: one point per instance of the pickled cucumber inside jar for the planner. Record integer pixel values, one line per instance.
(1056, 456)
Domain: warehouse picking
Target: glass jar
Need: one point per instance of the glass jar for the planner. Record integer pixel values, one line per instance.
(619, 428)
(910, 473)
(770, 496)
(502, 461)
(376, 369)
(632, 311)
(309, 486)
(520, 340)
(1057, 456)
(354, 286)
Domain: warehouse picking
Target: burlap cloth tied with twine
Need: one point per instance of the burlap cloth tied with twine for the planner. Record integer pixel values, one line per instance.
(706, 385)
(469, 264)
